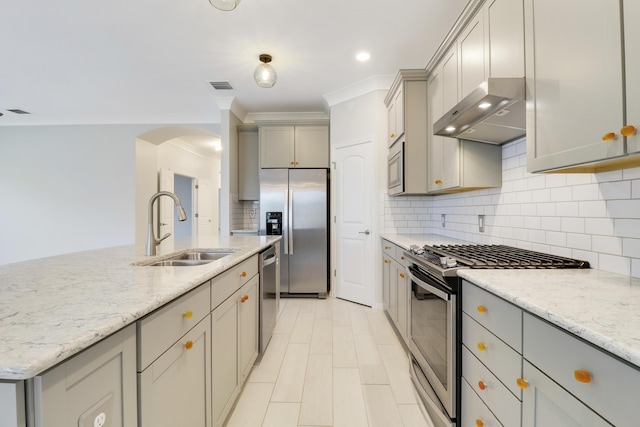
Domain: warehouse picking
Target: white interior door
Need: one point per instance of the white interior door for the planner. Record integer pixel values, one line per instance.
(354, 250)
(166, 205)
(205, 194)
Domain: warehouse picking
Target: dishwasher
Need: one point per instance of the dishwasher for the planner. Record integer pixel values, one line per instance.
(269, 294)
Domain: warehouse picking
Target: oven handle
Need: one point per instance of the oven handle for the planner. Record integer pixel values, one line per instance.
(438, 292)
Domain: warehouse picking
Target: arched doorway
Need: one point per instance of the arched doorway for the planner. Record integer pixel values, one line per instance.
(193, 155)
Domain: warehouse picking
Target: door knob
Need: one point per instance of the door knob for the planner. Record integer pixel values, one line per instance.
(367, 232)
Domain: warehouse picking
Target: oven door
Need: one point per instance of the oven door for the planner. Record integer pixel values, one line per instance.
(395, 169)
(433, 344)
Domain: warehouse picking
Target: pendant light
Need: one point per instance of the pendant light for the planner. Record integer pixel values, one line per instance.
(265, 75)
(224, 4)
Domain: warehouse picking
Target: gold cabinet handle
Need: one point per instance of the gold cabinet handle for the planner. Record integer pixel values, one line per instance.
(482, 309)
(244, 298)
(387, 247)
(609, 136)
(393, 135)
(293, 163)
(482, 346)
(582, 376)
(188, 314)
(522, 383)
(482, 385)
(479, 422)
(628, 130)
(188, 345)
(438, 182)
(386, 261)
(402, 275)
(243, 274)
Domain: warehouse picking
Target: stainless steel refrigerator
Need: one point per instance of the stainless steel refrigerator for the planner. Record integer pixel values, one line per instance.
(296, 202)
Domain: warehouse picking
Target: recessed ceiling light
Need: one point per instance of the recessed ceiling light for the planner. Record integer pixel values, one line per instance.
(363, 56)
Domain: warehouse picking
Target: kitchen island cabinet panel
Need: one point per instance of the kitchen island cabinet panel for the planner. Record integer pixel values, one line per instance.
(175, 390)
(12, 408)
(570, 64)
(100, 380)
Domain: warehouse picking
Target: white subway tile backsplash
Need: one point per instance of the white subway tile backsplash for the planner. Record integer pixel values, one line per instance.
(623, 208)
(615, 190)
(593, 217)
(601, 226)
(607, 244)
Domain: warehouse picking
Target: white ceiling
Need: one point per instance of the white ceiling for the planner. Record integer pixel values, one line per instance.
(144, 61)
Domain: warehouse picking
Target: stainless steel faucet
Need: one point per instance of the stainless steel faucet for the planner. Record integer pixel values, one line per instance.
(152, 241)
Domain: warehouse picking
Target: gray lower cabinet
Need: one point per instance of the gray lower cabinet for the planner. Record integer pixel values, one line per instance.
(12, 408)
(175, 389)
(95, 387)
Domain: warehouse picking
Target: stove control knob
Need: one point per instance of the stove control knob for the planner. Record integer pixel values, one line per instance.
(443, 261)
(451, 262)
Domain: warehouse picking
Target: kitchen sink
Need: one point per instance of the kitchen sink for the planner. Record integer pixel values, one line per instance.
(179, 263)
(194, 257)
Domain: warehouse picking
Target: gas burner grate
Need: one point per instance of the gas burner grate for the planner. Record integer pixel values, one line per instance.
(507, 257)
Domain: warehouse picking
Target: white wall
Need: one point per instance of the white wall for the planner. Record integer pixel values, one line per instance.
(68, 188)
(594, 217)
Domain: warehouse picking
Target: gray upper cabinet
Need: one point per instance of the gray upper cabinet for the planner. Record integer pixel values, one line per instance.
(576, 87)
(406, 104)
(294, 146)
(248, 163)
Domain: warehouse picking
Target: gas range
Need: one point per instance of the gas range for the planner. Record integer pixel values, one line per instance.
(446, 260)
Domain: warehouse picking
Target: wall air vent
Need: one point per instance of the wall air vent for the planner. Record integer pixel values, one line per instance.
(17, 111)
(221, 85)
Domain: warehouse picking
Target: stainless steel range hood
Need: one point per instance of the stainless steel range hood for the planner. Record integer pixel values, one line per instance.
(493, 113)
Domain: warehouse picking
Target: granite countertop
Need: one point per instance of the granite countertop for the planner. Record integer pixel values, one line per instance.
(600, 307)
(53, 308)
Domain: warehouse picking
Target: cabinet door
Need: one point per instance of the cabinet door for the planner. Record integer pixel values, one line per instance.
(632, 63)
(436, 143)
(386, 267)
(574, 82)
(100, 380)
(312, 146)
(472, 55)
(504, 27)
(276, 146)
(393, 291)
(248, 168)
(402, 299)
(176, 388)
(546, 404)
(248, 326)
(12, 408)
(224, 359)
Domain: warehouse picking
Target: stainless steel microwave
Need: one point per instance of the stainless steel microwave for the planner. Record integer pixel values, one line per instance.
(395, 169)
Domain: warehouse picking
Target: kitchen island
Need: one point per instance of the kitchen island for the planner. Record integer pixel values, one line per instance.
(54, 308)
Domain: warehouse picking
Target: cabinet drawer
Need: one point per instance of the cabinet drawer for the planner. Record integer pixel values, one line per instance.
(500, 317)
(160, 329)
(612, 385)
(502, 360)
(474, 412)
(389, 248)
(224, 285)
(492, 392)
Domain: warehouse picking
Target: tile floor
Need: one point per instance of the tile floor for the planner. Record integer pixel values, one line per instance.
(330, 363)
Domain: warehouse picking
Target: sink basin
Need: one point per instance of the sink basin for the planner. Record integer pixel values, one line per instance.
(179, 263)
(210, 255)
(194, 257)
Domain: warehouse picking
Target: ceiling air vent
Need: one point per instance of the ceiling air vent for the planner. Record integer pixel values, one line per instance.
(17, 111)
(221, 85)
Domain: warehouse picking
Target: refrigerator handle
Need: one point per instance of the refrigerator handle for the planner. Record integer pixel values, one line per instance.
(290, 223)
(285, 223)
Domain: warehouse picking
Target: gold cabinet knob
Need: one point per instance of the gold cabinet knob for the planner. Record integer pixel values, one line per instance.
(479, 422)
(188, 314)
(393, 135)
(482, 309)
(482, 346)
(438, 182)
(386, 261)
(244, 298)
(522, 383)
(243, 274)
(188, 345)
(609, 136)
(402, 275)
(628, 130)
(482, 385)
(582, 376)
